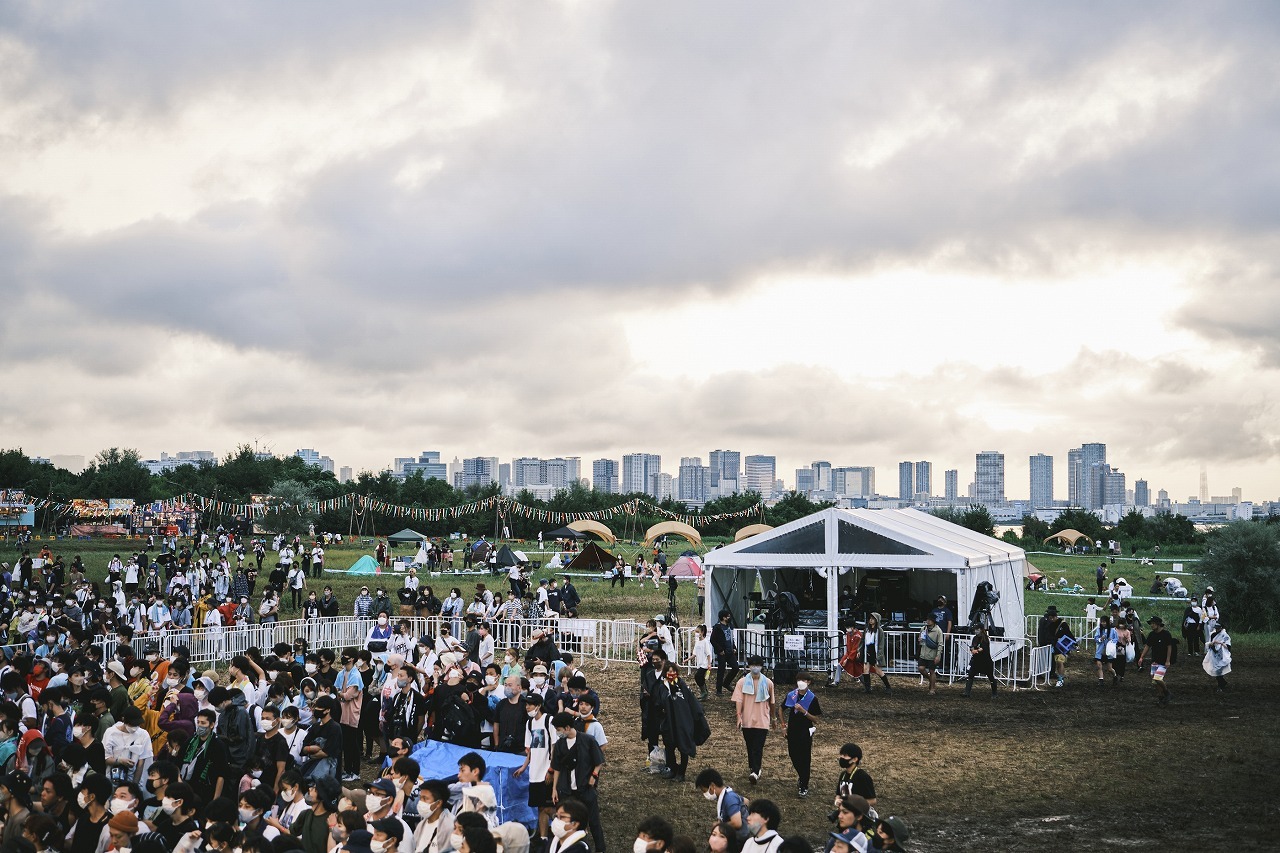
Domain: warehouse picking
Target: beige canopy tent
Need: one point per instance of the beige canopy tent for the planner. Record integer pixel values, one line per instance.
(1068, 537)
(751, 530)
(593, 528)
(670, 528)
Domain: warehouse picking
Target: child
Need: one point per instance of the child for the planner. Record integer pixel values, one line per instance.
(1091, 611)
(701, 658)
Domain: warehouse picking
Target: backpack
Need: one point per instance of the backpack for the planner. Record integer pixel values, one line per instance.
(456, 720)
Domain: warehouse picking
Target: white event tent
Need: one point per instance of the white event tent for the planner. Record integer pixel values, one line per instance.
(818, 555)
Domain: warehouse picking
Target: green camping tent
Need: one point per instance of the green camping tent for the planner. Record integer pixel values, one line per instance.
(405, 537)
(366, 565)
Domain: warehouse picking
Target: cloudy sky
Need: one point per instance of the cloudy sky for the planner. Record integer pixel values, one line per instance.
(859, 233)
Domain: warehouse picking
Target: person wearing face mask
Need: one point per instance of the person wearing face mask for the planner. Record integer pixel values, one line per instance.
(576, 762)
(753, 698)
(177, 814)
(291, 802)
(801, 710)
(539, 738)
(763, 820)
(205, 766)
(203, 687)
(127, 747)
(854, 780)
(509, 717)
(683, 723)
(252, 808)
(347, 832)
(92, 796)
(436, 824)
(408, 711)
(731, 809)
(159, 776)
(272, 750)
(379, 798)
(387, 835)
(568, 828)
(322, 747)
(653, 835)
(348, 686)
(121, 829)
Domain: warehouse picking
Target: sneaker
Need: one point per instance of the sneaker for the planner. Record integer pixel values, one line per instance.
(754, 777)
(803, 792)
(350, 777)
(1058, 683)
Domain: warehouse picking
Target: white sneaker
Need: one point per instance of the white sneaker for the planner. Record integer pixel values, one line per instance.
(754, 777)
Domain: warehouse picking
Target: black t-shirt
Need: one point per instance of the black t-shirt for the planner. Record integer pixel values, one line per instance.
(800, 721)
(86, 835)
(271, 750)
(407, 596)
(859, 782)
(511, 719)
(327, 736)
(1158, 644)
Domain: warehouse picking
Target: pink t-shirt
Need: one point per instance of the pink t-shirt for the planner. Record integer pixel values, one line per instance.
(754, 715)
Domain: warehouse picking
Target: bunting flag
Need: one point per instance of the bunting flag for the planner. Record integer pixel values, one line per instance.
(360, 504)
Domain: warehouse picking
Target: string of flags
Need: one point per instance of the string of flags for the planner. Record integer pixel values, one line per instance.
(263, 505)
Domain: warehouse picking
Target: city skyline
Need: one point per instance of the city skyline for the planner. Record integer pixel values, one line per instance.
(373, 235)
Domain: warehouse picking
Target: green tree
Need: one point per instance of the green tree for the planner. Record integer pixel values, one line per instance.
(1080, 520)
(1242, 564)
(794, 505)
(1034, 532)
(975, 518)
(117, 473)
(1132, 528)
(294, 494)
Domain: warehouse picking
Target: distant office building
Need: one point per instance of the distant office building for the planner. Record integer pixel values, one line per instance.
(344, 474)
(397, 465)
(821, 476)
(952, 478)
(1204, 484)
(988, 478)
(427, 464)
(695, 480)
(604, 477)
(637, 469)
(906, 481)
(659, 486)
(504, 474)
(1075, 477)
(1112, 487)
(1093, 459)
(312, 458)
(924, 480)
(1141, 493)
(854, 481)
(806, 480)
(761, 473)
(1041, 481)
(1237, 495)
(726, 470)
(476, 471)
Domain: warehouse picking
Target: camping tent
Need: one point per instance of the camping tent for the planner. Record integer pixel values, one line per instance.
(686, 567)
(672, 528)
(1069, 537)
(751, 530)
(507, 558)
(563, 533)
(592, 558)
(366, 565)
(405, 537)
(593, 528)
(892, 560)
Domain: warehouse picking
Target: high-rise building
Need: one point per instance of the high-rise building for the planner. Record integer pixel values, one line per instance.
(924, 480)
(476, 471)
(1041, 481)
(604, 477)
(906, 481)
(637, 469)
(428, 464)
(1113, 487)
(1204, 484)
(1093, 457)
(821, 477)
(397, 465)
(952, 477)
(761, 473)
(726, 471)
(1075, 477)
(313, 458)
(854, 481)
(988, 478)
(806, 479)
(1237, 495)
(695, 480)
(344, 474)
(659, 486)
(1141, 493)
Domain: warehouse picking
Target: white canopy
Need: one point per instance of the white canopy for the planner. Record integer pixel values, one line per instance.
(833, 542)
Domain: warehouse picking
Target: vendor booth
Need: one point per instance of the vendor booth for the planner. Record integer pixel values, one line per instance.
(827, 571)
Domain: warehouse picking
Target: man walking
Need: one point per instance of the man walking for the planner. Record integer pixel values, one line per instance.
(724, 643)
(802, 710)
(930, 652)
(1160, 647)
(754, 698)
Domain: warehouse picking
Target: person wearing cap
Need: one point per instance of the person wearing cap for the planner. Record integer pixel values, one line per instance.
(15, 794)
(851, 819)
(1159, 650)
(387, 835)
(122, 827)
(891, 834)
(322, 747)
(311, 827)
(847, 841)
(127, 747)
(379, 799)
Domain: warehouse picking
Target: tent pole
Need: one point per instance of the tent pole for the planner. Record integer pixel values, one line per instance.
(833, 620)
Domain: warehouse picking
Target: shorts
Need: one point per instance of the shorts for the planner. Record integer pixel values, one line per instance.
(1060, 658)
(930, 664)
(540, 795)
(871, 660)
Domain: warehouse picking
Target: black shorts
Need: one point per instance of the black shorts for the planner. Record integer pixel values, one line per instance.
(540, 795)
(871, 660)
(927, 664)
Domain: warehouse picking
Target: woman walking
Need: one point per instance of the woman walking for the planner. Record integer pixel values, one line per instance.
(1217, 656)
(980, 662)
(870, 654)
(681, 722)
(1107, 641)
(1125, 650)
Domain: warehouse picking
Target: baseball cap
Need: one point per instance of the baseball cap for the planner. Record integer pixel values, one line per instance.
(386, 786)
(389, 825)
(897, 827)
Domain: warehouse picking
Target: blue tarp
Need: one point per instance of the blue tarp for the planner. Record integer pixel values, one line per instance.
(439, 760)
(366, 565)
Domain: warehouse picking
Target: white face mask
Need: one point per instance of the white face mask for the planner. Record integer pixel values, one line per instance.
(756, 670)
(79, 731)
(373, 803)
(201, 693)
(377, 846)
(247, 815)
(382, 620)
(559, 828)
(118, 805)
(802, 686)
(169, 805)
(311, 668)
(83, 799)
(709, 795)
(640, 846)
(538, 681)
(455, 841)
(491, 679)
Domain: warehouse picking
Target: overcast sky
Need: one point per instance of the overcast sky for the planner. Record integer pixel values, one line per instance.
(858, 233)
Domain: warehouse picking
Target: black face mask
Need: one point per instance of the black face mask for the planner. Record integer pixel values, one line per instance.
(846, 762)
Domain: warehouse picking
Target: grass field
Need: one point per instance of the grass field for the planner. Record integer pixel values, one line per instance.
(1053, 769)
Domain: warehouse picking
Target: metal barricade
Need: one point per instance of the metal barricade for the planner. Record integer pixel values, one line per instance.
(1084, 628)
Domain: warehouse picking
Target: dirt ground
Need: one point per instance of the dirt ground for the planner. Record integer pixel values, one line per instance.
(1053, 769)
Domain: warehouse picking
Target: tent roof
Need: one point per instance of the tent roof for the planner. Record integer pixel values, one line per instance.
(751, 530)
(406, 535)
(593, 528)
(867, 538)
(591, 558)
(564, 533)
(507, 557)
(677, 528)
(686, 567)
(1068, 536)
(366, 565)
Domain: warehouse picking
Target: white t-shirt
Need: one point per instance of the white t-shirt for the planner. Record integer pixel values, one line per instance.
(539, 737)
(597, 731)
(702, 653)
